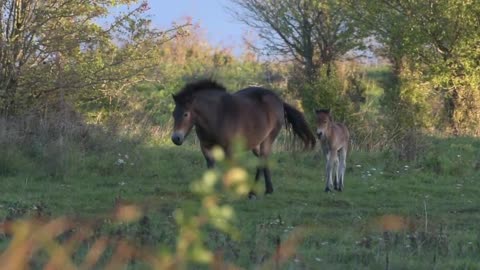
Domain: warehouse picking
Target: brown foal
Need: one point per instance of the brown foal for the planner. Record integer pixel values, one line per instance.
(334, 138)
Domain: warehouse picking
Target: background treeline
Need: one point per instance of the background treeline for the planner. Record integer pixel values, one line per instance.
(67, 74)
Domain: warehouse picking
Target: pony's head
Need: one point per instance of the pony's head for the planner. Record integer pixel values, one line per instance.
(184, 114)
(324, 118)
(182, 119)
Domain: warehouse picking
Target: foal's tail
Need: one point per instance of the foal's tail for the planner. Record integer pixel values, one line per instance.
(299, 125)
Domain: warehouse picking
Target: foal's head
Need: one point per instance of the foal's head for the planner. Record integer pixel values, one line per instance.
(184, 113)
(323, 121)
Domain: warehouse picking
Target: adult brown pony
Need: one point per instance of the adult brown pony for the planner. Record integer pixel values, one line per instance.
(334, 138)
(254, 114)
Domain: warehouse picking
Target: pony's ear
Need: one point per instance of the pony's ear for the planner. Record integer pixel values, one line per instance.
(174, 97)
(329, 112)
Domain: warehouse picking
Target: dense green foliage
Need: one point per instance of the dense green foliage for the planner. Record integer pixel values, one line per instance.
(434, 50)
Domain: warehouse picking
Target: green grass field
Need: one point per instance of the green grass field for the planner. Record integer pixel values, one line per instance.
(392, 214)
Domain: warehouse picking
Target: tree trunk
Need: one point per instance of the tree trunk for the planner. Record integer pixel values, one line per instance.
(451, 107)
(9, 88)
(329, 69)
(310, 70)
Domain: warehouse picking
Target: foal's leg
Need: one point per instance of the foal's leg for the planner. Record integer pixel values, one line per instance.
(336, 170)
(342, 166)
(331, 157)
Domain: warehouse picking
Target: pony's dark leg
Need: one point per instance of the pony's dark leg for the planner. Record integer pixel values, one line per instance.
(257, 174)
(208, 156)
(268, 180)
(266, 174)
(210, 162)
(256, 152)
(265, 150)
(263, 153)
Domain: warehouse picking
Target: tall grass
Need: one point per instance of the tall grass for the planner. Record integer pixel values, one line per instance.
(394, 213)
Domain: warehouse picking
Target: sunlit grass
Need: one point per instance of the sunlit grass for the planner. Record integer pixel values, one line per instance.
(407, 215)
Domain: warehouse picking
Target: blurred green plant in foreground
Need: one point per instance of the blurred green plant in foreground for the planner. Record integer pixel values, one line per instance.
(58, 240)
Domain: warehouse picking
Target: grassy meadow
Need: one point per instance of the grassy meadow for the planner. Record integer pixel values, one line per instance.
(393, 214)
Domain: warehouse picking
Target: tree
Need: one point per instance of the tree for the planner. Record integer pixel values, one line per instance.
(314, 33)
(438, 42)
(48, 47)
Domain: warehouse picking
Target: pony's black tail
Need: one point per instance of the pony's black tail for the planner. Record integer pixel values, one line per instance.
(299, 125)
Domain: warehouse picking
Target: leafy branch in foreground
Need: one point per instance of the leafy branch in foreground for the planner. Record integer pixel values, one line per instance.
(60, 239)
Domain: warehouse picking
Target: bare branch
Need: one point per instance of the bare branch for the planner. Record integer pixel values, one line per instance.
(312, 34)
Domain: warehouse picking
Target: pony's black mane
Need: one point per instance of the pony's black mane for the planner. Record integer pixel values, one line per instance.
(194, 87)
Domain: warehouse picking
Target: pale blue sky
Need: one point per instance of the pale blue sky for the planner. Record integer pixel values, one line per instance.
(217, 23)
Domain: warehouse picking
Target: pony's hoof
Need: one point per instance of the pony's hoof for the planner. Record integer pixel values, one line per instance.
(268, 191)
(252, 195)
(327, 189)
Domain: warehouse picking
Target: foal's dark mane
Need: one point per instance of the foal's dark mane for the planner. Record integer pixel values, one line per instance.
(190, 89)
(327, 111)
